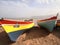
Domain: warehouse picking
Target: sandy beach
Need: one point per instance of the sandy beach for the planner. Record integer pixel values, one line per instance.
(19, 15)
(34, 36)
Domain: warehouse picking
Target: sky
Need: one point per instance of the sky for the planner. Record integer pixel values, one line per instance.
(28, 8)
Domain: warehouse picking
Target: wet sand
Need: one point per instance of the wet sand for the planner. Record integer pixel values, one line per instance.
(35, 36)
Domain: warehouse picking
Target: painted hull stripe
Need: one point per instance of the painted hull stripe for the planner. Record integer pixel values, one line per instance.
(14, 22)
(14, 35)
(52, 18)
(45, 21)
(11, 28)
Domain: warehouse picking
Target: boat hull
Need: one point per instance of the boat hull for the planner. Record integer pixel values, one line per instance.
(14, 35)
(15, 32)
(48, 25)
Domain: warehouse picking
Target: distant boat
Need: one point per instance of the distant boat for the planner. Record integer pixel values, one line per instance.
(48, 23)
(58, 23)
(15, 28)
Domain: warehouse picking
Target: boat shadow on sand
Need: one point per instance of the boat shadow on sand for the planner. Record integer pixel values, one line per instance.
(35, 33)
(56, 32)
(4, 39)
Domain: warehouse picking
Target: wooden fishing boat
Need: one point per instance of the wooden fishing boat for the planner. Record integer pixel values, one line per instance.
(15, 28)
(48, 23)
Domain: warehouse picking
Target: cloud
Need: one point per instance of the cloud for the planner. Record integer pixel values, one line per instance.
(9, 0)
(27, 8)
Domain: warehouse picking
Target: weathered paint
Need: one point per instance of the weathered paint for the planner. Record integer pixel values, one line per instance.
(50, 24)
(14, 35)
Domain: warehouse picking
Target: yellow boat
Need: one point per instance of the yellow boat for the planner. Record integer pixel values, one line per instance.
(14, 30)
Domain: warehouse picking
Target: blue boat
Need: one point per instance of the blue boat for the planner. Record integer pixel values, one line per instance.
(49, 23)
